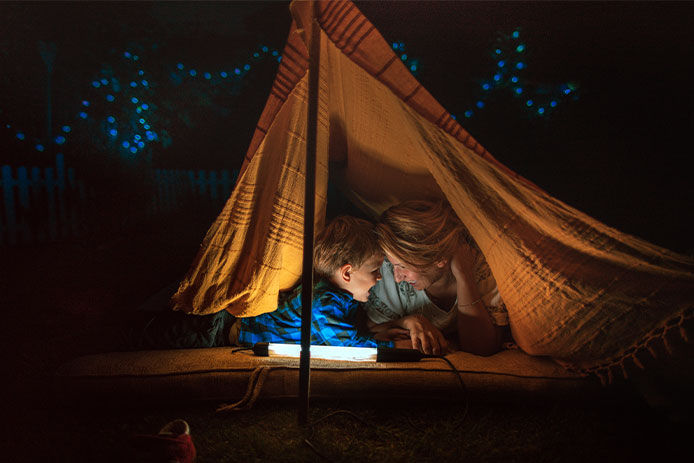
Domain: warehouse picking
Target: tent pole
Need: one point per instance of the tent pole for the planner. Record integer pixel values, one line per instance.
(309, 219)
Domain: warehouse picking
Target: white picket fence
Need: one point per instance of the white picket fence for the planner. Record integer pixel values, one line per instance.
(49, 204)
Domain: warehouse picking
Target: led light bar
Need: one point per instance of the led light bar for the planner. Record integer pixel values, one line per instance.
(348, 354)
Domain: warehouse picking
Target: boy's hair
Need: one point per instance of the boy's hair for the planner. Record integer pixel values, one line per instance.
(345, 240)
(421, 233)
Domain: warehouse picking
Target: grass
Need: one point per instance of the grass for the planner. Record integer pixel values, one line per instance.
(609, 429)
(57, 298)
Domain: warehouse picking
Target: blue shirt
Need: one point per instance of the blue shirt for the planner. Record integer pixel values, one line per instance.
(333, 321)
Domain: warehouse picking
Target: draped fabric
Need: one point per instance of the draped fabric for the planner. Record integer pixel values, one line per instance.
(577, 290)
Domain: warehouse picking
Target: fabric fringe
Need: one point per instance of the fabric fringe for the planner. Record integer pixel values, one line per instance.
(683, 333)
(605, 371)
(637, 362)
(255, 385)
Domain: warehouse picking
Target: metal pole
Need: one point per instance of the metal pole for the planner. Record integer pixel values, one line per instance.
(309, 219)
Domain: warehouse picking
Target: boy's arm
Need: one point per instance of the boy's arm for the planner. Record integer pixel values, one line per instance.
(332, 326)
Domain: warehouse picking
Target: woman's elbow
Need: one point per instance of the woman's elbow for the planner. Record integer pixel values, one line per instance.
(483, 348)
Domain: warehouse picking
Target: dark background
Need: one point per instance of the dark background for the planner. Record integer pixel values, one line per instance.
(620, 152)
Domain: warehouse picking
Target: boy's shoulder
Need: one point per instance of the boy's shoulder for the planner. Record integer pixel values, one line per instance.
(325, 291)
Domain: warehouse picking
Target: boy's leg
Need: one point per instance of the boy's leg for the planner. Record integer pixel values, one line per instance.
(178, 330)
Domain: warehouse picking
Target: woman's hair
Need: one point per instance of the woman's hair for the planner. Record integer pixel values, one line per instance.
(421, 233)
(345, 240)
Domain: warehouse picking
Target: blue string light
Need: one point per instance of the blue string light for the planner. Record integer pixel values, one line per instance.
(546, 98)
(142, 90)
(411, 63)
(142, 86)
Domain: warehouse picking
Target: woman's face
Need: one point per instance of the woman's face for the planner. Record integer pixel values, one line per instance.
(419, 279)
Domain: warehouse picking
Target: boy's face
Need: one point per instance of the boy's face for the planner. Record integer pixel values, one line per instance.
(362, 278)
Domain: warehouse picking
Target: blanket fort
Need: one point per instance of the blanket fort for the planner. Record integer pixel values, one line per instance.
(593, 298)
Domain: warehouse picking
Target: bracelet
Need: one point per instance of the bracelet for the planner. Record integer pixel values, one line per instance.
(469, 304)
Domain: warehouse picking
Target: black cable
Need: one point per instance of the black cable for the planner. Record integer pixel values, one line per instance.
(312, 430)
(308, 442)
(459, 375)
(240, 349)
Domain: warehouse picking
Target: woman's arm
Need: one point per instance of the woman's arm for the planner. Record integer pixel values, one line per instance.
(423, 335)
(476, 332)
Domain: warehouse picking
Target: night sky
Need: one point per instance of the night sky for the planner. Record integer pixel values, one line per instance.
(619, 152)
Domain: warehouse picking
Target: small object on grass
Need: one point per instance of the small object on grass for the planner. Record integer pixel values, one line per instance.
(172, 444)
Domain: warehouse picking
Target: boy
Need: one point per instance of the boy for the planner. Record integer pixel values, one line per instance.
(347, 260)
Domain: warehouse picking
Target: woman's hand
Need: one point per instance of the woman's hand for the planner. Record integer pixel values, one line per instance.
(425, 336)
(392, 334)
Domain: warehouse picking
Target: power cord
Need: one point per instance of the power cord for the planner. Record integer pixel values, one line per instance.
(241, 349)
(311, 426)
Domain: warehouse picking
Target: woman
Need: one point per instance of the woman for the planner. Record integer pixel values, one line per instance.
(434, 283)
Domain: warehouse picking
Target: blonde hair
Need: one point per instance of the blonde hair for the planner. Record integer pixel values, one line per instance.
(420, 233)
(345, 240)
